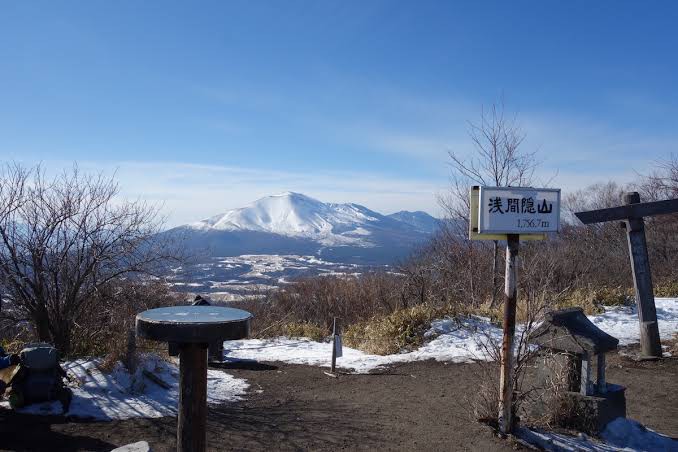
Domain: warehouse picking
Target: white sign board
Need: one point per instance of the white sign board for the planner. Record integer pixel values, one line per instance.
(518, 210)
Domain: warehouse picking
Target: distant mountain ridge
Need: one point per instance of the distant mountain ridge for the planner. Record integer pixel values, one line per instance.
(418, 219)
(293, 223)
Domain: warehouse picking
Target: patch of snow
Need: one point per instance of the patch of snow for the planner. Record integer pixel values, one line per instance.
(619, 435)
(140, 446)
(627, 433)
(622, 321)
(455, 342)
(359, 231)
(450, 340)
(121, 395)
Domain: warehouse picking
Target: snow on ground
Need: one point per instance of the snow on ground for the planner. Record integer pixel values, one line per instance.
(619, 435)
(452, 341)
(119, 395)
(456, 342)
(622, 321)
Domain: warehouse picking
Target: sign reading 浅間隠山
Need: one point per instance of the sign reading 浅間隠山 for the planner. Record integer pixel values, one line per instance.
(518, 210)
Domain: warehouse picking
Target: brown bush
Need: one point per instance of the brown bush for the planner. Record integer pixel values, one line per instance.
(402, 330)
(106, 327)
(316, 301)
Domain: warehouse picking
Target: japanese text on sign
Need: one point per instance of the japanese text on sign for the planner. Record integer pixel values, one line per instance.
(518, 210)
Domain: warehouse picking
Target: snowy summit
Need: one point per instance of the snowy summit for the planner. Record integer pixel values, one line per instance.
(312, 225)
(297, 215)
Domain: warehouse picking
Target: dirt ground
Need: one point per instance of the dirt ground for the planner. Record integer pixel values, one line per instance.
(414, 406)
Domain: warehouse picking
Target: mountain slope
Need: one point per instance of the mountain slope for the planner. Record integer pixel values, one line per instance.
(295, 223)
(420, 220)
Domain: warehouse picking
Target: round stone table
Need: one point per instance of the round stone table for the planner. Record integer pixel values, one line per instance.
(192, 328)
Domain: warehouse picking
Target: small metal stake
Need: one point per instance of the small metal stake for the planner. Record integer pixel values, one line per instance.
(336, 331)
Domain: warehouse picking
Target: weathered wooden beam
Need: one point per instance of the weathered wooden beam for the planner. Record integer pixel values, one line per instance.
(650, 343)
(509, 328)
(634, 210)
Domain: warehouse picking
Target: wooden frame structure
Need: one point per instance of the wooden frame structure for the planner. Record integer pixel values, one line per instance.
(632, 214)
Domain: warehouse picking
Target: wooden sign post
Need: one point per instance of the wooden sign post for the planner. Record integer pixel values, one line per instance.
(509, 332)
(632, 213)
(511, 214)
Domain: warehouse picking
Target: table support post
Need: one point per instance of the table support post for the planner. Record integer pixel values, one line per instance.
(192, 423)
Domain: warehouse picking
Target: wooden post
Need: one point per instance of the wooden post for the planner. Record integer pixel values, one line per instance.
(650, 342)
(509, 326)
(191, 431)
(336, 331)
(600, 371)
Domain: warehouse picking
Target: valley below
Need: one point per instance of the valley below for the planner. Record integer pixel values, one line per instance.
(232, 278)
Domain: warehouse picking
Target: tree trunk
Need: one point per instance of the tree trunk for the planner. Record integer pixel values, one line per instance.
(41, 323)
(62, 341)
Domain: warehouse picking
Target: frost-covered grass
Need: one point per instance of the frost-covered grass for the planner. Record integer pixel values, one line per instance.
(121, 395)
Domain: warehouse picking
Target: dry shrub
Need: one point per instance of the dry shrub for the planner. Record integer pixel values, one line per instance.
(106, 328)
(666, 288)
(544, 404)
(593, 299)
(316, 301)
(13, 338)
(673, 345)
(304, 329)
(539, 292)
(402, 330)
(484, 402)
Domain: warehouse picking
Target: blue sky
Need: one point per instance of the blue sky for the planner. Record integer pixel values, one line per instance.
(206, 106)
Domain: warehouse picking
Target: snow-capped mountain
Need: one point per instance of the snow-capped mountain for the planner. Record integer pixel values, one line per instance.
(296, 215)
(297, 224)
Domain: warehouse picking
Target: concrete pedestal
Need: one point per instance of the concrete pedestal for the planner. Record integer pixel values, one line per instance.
(592, 413)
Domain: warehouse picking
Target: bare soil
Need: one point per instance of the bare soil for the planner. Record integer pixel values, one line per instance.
(414, 406)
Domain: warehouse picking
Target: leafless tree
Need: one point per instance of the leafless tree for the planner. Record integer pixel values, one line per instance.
(662, 183)
(498, 160)
(662, 230)
(64, 238)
